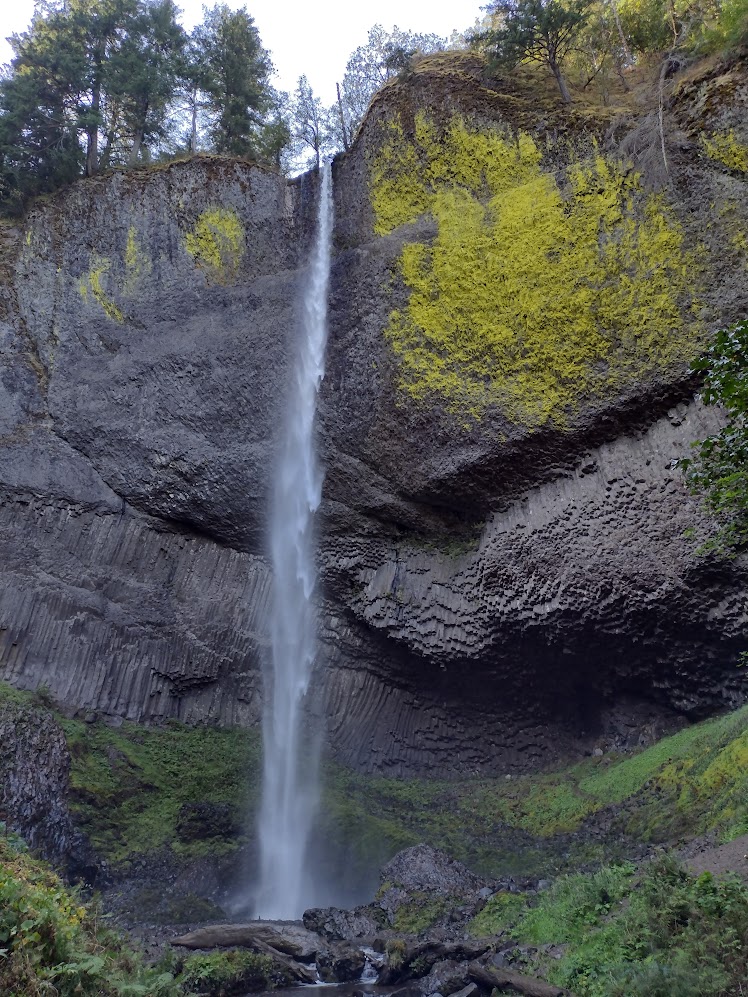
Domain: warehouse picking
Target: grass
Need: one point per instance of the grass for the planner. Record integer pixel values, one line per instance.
(129, 785)
(687, 784)
(657, 933)
(230, 971)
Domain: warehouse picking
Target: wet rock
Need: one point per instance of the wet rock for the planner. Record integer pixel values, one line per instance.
(469, 991)
(408, 960)
(336, 923)
(198, 821)
(446, 977)
(340, 962)
(133, 572)
(34, 782)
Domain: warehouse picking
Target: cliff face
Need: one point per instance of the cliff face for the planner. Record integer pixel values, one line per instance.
(510, 561)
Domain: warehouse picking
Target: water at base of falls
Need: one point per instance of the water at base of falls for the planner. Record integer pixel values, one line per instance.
(290, 789)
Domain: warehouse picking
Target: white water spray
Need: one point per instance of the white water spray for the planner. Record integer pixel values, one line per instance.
(290, 774)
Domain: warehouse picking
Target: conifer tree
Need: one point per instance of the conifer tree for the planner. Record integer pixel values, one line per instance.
(538, 30)
(234, 72)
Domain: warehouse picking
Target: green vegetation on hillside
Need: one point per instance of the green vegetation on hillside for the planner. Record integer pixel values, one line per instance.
(534, 294)
(687, 784)
(616, 933)
(51, 942)
(129, 784)
(719, 469)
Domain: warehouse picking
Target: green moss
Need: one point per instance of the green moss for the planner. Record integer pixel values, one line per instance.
(532, 295)
(419, 913)
(231, 971)
(687, 784)
(726, 148)
(137, 261)
(501, 912)
(216, 243)
(662, 932)
(128, 784)
(94, 281)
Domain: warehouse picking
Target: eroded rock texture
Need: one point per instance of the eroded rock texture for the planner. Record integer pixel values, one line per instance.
(496, 590)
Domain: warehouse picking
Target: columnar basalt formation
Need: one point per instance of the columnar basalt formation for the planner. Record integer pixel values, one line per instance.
(510, 559)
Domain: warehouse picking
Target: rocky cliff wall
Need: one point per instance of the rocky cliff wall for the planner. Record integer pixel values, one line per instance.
(510, 562)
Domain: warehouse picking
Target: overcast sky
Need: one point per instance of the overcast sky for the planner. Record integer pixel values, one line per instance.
(313, 38)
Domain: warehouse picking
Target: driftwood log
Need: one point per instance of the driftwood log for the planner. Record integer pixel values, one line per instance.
(251, 937)
(507, 979)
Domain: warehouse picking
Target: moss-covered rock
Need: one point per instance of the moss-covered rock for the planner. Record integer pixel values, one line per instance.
(540, 290)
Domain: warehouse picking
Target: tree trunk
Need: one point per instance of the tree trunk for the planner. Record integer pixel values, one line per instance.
(518, 983)
(107, 152)
(343, 129)
(92, 130)
(136, 143)
(556, 70)
(193, 129)
(673, 22)
(621, 35)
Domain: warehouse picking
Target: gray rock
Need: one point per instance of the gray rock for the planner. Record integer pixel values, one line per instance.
(340, 962)
(139, 419)
(34, 783)
(425, 868)
(337, 924)
(467, 991)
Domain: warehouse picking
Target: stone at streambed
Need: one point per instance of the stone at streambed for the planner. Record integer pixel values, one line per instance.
(336, 923)
(413, 960)
(290, 939)
(340, 962)
(423, 888)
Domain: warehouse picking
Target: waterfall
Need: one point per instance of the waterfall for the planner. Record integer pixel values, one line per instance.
(290, 789)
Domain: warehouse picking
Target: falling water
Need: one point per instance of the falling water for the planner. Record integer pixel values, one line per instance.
(290, 776)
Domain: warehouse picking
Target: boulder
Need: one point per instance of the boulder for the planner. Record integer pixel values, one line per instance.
(340, 962)
(337, 923)
(198, 821)
(425, 868)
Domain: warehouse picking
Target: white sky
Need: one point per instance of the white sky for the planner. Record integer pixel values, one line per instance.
(311, 37)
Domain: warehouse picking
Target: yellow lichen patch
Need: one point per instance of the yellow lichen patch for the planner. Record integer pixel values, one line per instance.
(216, 244)
(531, 297)
(726, 148)
(94, 281)
(137, 261)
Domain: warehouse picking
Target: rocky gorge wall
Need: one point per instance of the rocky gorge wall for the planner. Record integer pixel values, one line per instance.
(509, 558)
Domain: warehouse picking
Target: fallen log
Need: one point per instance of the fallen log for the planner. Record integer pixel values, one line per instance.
(245, 936)
(291, 939)
(507, 979)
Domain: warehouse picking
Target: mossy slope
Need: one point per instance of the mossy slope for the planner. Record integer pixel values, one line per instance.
(688, 784)
(543, 289)
(619, 932)
(129, 784)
